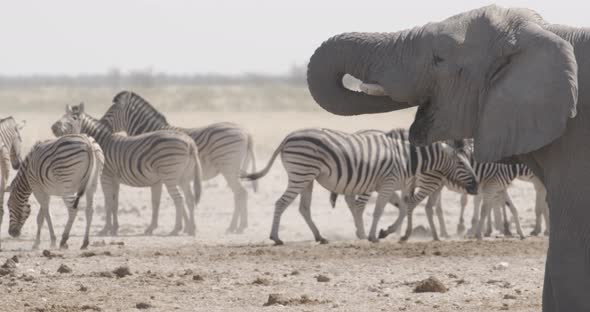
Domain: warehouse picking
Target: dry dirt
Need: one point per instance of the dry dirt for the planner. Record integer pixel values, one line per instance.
(215, 271)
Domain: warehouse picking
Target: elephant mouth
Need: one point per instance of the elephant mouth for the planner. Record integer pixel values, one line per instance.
(422, 123)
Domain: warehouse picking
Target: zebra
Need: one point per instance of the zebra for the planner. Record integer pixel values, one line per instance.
(69, 166)
(147, 160)
(426, 182)
(10, 143)
(495, 178)
(224, 148)
(354, 164)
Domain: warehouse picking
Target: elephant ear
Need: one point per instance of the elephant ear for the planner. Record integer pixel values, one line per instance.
(533, 90)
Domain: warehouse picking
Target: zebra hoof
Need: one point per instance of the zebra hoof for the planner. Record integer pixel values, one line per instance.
(373, 239)
(322, 241)
(63, 246)
(84, 246)
(361, 235)
(278, 242)
(404, 239)
(383, 234)
(174, 233)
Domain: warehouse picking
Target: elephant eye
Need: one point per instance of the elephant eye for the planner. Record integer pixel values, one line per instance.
(437, 59)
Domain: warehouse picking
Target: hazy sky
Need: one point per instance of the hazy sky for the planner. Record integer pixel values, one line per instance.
(222, 36)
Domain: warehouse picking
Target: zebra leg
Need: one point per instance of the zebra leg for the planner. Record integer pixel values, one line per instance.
(156, 198)
(110, 189)
(440, 216)
(382, 198)
(179, 205)
(506, 230)
(498, 222)
(489, 227)
(305, 211)
(485, 213)
(293, 190)
(461, 226)
(515, 216)
(430, 216)
(240, 204)
(357, 208)
(63, 244)
(43, 200)
(89, 214)
(397, 225)
(189, 198)
(476, 214)
(115, 209)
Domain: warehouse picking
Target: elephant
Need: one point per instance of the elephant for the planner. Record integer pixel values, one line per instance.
(516, 84)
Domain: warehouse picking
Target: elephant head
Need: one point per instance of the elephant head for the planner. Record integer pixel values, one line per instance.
(493, 74)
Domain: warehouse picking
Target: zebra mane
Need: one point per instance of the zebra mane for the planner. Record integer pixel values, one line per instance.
(8, 121)
(139, 105)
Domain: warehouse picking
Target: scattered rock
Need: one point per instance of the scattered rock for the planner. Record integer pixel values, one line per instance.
(198, 278)
(509, 297)
(88, 254)
(10, 264)
(64, 269)
(117, 243)
(451, 275)
(122, 271)
(501, 266)
(261, 281)
(295, 272)
(14, 258)
(87, 307)
(437, 253)
(83, 288)
(106, 274)
(322, 278)
(157, 253)
(279, 299)
(47, 254)
(431, 284)
(27, 278)
(143, 305)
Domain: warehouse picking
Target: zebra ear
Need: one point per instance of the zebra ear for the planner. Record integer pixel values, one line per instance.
(81, 107)
(22, 124)
(68, 109)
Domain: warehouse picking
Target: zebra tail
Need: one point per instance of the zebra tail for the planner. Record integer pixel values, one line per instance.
(257, 175)
(333, 198)
(197, 183)
(252, 158)
(88, 176)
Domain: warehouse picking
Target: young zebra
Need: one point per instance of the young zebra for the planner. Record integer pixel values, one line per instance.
(426, 182)
(69, 166)
(355, 164)
(148, 160)
(224, 148)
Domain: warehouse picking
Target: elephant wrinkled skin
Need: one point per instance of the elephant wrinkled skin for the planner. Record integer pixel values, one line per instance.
(505, 77)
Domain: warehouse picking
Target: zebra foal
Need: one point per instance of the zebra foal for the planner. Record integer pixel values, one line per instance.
(224, 148)
(149, 160)
(70, 167)
(352, 164)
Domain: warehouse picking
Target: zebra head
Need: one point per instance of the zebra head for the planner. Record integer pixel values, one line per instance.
(18, 207)
(70, 122)
(458, 169)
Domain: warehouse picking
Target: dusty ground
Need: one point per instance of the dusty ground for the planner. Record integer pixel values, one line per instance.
(218, 272)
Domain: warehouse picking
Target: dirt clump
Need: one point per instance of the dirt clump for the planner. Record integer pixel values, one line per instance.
(280, 299)
(143, 305)
(322, 278)
(261, 281)
(8, 267)
(122, 271)
(64, 269)
(198, 278)
(431, 284)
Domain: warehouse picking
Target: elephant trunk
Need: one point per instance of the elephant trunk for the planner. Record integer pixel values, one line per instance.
(355, 54)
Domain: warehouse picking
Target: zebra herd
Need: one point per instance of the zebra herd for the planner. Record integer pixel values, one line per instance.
(152, 153)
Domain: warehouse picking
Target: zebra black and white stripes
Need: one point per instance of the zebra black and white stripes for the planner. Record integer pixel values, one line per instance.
(69, 166)
(148, 160)
(353, 164)
(224, 148)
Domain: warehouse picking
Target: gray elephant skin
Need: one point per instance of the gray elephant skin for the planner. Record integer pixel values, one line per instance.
(515, 83)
